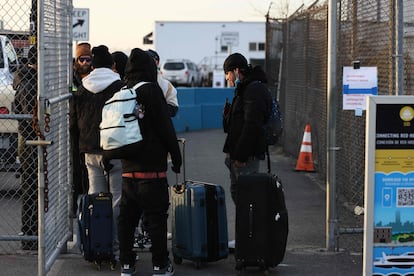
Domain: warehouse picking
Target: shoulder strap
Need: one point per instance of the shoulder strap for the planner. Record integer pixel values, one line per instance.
(138, 85)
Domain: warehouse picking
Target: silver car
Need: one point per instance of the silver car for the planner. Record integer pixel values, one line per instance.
(181, 72)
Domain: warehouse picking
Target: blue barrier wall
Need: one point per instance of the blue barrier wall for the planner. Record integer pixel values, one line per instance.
(200, 108)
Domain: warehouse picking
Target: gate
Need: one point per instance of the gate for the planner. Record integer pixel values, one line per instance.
(34, 135)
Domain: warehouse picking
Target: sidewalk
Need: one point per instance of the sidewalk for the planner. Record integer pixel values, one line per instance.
(306, 254)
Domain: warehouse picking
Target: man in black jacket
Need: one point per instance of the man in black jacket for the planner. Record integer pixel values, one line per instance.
(25, 84)
(144, 178)
(86, 114)
(245, 143)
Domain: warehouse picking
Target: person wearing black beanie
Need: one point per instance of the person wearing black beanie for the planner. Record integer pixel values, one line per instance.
(245, 143)
(144, 172)
(85, 116)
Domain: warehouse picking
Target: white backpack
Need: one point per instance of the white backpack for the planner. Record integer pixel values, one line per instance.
(119, 126)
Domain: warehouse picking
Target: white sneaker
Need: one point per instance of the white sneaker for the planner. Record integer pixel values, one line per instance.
(169, 236)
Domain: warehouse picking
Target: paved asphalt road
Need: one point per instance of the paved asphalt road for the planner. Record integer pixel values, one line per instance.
(305, 198)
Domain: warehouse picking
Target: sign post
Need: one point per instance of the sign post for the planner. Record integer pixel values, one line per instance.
(80, 24)
(389, 186)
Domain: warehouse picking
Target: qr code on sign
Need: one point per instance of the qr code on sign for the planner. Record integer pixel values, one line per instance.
(405, 197)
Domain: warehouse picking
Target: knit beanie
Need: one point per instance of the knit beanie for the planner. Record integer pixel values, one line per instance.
(101, 57)
(83, 49)
(234, 61)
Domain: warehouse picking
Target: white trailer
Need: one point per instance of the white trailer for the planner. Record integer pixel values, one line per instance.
(208, 43)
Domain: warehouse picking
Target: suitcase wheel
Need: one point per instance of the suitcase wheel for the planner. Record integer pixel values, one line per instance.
(98, 265)
(239, 265)
(113, 264)
(197, 264)
(178, 260)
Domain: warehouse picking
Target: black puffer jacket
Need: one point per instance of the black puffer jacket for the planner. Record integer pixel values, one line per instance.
(86, 107)
(157, 130)
(250, 109)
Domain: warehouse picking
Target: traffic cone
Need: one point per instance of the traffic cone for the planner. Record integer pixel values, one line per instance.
(305, 160)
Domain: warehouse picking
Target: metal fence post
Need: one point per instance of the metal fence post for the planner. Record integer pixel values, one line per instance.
(331, 129)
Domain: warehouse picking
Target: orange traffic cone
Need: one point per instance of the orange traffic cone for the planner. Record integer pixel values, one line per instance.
(305, 160)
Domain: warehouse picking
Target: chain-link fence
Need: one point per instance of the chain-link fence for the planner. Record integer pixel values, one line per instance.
(367, 32)
(34, 138)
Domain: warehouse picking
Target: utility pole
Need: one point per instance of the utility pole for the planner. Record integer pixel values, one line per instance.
(331, 220)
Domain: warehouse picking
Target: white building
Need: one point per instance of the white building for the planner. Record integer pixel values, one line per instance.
(209, 43)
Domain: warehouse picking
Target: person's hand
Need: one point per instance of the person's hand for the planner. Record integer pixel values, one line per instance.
(239, 164)
(175, 168)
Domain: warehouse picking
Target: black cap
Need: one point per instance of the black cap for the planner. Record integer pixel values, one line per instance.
(234, 61)
(101, 57)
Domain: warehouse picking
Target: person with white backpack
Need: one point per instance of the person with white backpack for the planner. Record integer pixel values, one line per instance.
(144, 168)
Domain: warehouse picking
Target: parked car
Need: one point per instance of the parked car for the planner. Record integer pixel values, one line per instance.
(181, 72)
(8, 127)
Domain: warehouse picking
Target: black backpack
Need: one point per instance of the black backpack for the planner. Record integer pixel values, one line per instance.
(273, 128)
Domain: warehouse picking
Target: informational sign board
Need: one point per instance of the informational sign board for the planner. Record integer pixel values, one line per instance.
(230, 39)
(357, 84)
(80, 24)
(389, 186)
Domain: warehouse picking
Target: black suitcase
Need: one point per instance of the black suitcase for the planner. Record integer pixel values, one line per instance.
(261, 221)
(95, 228)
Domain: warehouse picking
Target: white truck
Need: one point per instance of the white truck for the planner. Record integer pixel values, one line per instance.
(8, 127)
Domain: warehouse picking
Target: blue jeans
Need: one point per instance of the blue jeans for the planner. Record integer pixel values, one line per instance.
(152, 197)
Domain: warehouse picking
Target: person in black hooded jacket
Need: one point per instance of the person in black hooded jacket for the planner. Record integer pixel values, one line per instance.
(25, 84)
(144, 179)
(245, 143)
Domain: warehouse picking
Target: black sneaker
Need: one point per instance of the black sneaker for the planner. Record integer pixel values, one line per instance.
(168, 270)
(127, 270)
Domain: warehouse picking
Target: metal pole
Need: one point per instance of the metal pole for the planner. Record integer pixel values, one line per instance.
(40, 113)
(331, 129)
(399, 40)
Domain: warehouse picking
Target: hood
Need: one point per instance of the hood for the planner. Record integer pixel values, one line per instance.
(140, 67)
(99, 79)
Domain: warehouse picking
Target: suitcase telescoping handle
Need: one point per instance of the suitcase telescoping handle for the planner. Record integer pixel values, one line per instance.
(180, 187)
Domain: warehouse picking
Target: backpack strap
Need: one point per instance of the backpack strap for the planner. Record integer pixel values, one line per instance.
(138, 85)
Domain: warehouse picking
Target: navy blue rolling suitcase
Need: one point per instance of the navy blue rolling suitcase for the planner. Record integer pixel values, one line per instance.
(261, 221)
(95, 228)
(199, 221)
